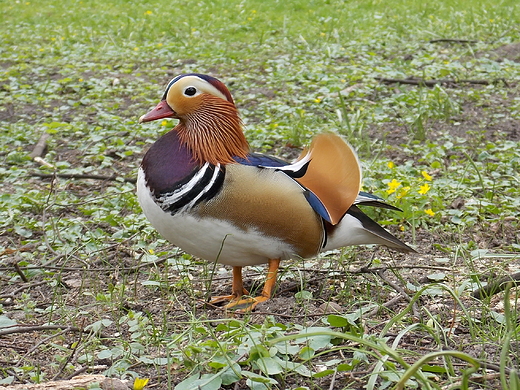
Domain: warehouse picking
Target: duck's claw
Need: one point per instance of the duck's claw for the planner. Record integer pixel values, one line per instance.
(227, 298)
(245, 305)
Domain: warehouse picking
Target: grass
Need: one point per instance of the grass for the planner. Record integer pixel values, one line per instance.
(78, 252)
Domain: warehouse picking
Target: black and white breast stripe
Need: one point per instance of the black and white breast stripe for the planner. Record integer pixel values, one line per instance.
(203, 184)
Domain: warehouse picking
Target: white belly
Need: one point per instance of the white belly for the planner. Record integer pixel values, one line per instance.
(209, 238)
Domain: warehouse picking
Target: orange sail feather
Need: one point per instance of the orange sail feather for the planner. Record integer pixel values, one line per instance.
(333, 175)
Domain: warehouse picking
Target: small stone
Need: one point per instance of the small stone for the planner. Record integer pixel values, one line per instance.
(113, 384)
(329, 307)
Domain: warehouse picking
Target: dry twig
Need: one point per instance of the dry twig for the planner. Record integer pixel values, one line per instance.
(20, 272)
(496, 287)
(452, 40)
(39, 148)
(37, 328)
(24, 248)
(35, 346)
(71, 355)
(8, 299)
(84, 176)
(387, 304)
(160, 260)
(401, 291)
(432, 83)
(78, 382)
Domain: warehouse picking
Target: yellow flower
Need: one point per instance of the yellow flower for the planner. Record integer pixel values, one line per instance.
(391, 164)
(317, 100)
(164, 123)
(424, 189)
(403, 192)
(148, 13)
(151, 251)
(430, 212)
(139, 383)
(426, 176)
(392, 186)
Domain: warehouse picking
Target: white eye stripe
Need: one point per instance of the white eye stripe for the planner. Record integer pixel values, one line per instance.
(201, 85)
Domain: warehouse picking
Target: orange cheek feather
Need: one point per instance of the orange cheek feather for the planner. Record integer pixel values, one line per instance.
(185, 106)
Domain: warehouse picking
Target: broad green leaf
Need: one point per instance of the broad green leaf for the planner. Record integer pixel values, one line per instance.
(105, 354)
(161, 361)
(337, 321)
(151, 283)
(345, 367)
(341, 321)
(258, 351)
(7, 380)
(437, 277)
(303, 295)
(306, 353)
(258, 378)
(287, 349)
(203, 382)
(257, 385)
(498, 317)
(268, 365)
(323, 373)
(316, 340)
(146, 360)
(217, 365)
(6, 321)
(231, 374)
(430, 368)
(98, 325)
(298, 367)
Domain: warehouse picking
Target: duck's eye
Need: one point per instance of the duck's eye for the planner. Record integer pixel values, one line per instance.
(190, 91)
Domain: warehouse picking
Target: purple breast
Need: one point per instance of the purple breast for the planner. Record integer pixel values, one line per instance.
(167, 163)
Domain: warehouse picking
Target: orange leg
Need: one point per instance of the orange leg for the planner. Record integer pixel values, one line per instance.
(250, 303)
(237, 289)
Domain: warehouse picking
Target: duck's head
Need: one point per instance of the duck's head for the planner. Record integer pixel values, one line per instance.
(209, 124)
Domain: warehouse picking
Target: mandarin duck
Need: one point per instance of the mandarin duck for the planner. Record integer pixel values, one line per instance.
(204, 191)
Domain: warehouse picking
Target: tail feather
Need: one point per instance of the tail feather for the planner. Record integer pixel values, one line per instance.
(368, 199)
(374, 228)
(378, 203)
